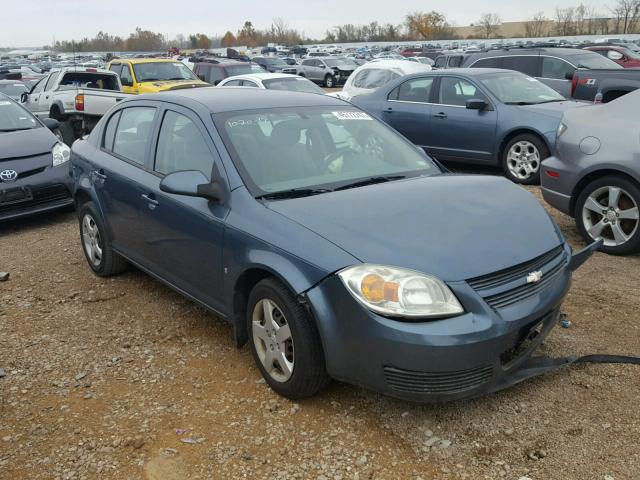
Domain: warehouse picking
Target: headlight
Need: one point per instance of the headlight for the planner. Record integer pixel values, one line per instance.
(561, 129)
(60, 153)
(400, 292)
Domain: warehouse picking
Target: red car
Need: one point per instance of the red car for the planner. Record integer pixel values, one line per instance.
(621, 55)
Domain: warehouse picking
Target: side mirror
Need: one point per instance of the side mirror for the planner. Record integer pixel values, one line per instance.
(192, 183)
(476, 104)
(24, 96)
(51, 123)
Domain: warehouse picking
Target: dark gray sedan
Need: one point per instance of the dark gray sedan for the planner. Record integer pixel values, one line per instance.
(595, 173)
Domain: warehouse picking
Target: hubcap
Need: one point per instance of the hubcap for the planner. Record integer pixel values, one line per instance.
(272, 339)
(523, 160)
(91, 240)
(612, 214)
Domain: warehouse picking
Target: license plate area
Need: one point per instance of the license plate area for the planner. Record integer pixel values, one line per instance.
(15, 195)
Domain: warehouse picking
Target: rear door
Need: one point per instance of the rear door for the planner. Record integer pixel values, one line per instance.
(184, 235)
(408, 109)
(458, 133)
(121, 172)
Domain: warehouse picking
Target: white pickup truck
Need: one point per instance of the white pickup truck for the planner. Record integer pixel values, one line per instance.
(76, 96)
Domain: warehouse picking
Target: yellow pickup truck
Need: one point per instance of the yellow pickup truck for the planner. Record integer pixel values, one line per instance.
(150, 75)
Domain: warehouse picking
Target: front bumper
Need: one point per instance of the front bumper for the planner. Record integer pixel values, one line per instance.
(35, 194)
(556, 190)
(440, 360)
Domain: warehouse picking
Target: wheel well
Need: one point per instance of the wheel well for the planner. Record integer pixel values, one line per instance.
(514, 134)
(243, 287)
(587, 179)
(611, 95)
(55, 112)
(81, 198)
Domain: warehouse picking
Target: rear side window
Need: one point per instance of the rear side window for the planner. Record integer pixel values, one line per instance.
(526, 64)
(455, 61)
(494, 62)
(441, 62)
(416, 90)
(133, 133)
(110, 131)
(181, 146)
(556, 68)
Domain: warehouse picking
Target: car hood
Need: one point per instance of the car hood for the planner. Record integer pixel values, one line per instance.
(159, 86)
(553, 109)
(26, 143)
(453, 226)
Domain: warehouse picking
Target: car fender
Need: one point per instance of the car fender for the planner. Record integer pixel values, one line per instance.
(58, 103)
(504, 136)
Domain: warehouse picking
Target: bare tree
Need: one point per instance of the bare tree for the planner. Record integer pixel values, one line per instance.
(627, 16)
(488, 25)
(565, 21)
(537, 26)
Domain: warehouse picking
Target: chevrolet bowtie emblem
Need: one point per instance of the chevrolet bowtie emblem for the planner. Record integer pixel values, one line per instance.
(534, 277)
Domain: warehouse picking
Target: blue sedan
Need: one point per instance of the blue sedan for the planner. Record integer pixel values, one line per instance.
(480, 116)
(333, 246)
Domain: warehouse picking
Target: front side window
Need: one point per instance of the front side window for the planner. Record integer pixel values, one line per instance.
(181, 146)
(233, 83)
(315, 147)
(455, 91)
(125, 76)
(455, 61)
(52, 80)
(441, 62)
(416, 90)
(154, 71)
(133, 133)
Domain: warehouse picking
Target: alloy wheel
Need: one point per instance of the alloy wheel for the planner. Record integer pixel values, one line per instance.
(272, 340)
(91, 240)
(611, 213)
(523, 160)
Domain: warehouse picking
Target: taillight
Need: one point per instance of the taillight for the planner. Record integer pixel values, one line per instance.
(574, 84)
(80, 102)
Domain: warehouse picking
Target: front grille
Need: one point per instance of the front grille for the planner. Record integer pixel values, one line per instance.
(49, 195)
(437, 382)
(509, 286)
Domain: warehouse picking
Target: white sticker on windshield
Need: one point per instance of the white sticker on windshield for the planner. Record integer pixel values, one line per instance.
(531, 79)
(351, 115)
(4, 102)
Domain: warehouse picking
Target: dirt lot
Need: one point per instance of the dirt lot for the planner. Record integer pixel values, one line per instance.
(123, 378)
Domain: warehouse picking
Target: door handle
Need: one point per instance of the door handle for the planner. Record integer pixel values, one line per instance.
(388, 110)
(440, 115)
(150, 198)
(98, 175)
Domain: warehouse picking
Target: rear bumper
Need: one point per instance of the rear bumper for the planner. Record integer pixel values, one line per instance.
(473, 354)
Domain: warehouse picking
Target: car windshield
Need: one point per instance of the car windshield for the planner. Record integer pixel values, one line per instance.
(335, 63)
(593, 61)
(518, 89)
(13, 117)
(309, 149)
(154, 71)
(13, 89)
(294, 84)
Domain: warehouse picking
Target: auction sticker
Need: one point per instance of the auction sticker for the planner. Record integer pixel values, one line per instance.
(351, 115)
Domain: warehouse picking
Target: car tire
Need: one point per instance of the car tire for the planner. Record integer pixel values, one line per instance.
(522, 157)
(302, 75)
(96, 244)
(329, 81)
(599, 208)
(292, 363)
(66, 133)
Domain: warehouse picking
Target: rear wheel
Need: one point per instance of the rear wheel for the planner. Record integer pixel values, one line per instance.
(608, 208)
(522, 157)
(96, 244)
(284, 341)
(329, 81)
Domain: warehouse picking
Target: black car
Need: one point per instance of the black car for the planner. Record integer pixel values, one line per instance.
(34, 173)
(271, 64)
(214, 73)
(552, 66)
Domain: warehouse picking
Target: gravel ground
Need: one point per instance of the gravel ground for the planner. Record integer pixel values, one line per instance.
(123, 378)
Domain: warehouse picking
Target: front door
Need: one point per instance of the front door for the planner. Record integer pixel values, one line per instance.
(456, 132)
(408, 110)
(184, 235)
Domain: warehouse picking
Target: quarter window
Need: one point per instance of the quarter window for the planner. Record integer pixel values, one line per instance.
(416, 90)
(133, 133)
(181, 146)
(556, 68)
(495, 62)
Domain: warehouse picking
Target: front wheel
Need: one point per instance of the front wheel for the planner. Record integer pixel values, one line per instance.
(96, 244)
(607, 208)
(329, 81)
(522, 157)
(284, 341)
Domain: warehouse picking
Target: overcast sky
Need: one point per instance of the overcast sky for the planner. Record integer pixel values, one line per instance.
(37, 22)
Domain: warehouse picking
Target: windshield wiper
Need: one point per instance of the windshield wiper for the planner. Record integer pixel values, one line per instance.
(372, 181)
(293, 193)
(6, 130)
(520, 103)
(552, 101)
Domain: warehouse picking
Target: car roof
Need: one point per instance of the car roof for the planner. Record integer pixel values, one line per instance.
(11, 82)
(555, 51)
(143, 60)
(230, 99)
(261, 76)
